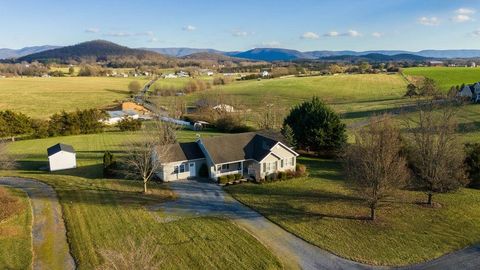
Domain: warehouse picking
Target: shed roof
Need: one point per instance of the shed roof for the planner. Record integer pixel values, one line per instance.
(60, 147)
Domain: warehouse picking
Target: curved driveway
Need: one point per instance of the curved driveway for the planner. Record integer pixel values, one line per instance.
(50, 247)
(209, 199)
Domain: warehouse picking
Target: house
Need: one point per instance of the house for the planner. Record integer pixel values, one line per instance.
(116, 116)
(170, 76)
(435, 63)
(182, 74)
(61, 157)
(250, 154)
(473, 64)
(224, 108)
(265, 73)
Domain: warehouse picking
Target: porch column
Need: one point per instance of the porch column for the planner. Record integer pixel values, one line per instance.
(241, 167)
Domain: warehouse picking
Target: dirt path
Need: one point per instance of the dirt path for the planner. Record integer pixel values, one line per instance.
(196, 198)
(50, 247)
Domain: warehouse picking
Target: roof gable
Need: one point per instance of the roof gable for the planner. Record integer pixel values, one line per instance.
(184, 151)
(60, 147)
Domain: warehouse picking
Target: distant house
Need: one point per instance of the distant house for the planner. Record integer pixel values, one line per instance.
(116, 116)
(473, 64)
(253, 155)
(265, 73)
(224, 108)
(170, 76)
(435, 63)
(182, 74)
(471, 92)
(209, 73)
(61, 157)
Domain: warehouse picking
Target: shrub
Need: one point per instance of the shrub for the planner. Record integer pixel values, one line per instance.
(129, 124)
(290, 174)
(223, 179)
(109, 164)
(231, 124)
(472, 162)
(272, 177)
(230, 177)
(300, 170)
(237, 176)
(282, 175)
(203, 170)
(134, 87)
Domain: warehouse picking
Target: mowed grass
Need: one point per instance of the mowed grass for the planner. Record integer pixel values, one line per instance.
(105, 214)
(42, 97)
(446, 77)
(15, 233)
(322, 210)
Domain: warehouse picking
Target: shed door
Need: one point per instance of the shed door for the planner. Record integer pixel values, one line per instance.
(192, 169)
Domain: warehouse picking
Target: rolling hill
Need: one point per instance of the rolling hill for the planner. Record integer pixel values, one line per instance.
(270, 54)
(12, 53)
(375, 57)
(99, 49)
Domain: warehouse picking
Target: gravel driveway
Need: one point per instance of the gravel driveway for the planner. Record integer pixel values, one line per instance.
(201, 198)
(48, 229)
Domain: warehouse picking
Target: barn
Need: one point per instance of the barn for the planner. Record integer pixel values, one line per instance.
(61, 157)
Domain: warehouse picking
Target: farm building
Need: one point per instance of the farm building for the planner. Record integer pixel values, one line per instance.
(252, 155)
(116, 116)
(61, 157)
(471, 92)
(132, 106)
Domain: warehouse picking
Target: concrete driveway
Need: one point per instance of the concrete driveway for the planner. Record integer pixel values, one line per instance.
(204, 198)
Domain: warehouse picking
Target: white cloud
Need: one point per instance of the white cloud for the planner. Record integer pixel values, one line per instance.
(189, 28)
(467, 11)
(92, 30)
(270, 44)
(239, 33)
(119, 34)
(429, 21)
(462, 18)
(153, 39)
(377, 34)
(352, 33)
(146, 34)
(332, 34)
(310, 35)
(475, 33)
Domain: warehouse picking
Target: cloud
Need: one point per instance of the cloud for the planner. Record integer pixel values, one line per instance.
(269, 44)
(92, 30)
(310, 35)
(119, 34)
(429, 21)
(153, 39)
(465, 11)
(475, 33)
(145, 34)
(241, 33)
(332, 34)
(377, 34)
(352, 33)
(462, 18)
(189, 28)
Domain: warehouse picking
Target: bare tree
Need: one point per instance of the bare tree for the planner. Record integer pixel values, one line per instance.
(436, 153)
(270, 115)
(374, 164)
(7, 162)
(147, 149)
(134, 256)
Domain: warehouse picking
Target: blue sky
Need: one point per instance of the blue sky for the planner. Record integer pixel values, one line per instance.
(240, 25)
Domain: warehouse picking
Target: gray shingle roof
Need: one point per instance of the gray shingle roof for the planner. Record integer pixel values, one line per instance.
(184, 151)
(234, 147)
(60, 147)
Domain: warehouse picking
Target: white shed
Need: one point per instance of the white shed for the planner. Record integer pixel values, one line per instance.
(116, 116)
(61, 157)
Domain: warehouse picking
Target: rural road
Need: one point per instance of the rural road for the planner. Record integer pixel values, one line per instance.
(50, 247)
(201, 198)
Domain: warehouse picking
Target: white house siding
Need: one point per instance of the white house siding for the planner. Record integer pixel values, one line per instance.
(279, 160)
(62, 160)
(168, 172)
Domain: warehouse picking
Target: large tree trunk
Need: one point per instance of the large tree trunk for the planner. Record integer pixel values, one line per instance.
(429, 202)
(372, 213)
(144, 186)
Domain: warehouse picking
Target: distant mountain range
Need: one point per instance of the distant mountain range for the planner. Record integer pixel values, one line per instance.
(12, 53)
(102, 48)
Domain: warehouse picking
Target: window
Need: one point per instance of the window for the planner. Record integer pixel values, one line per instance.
(182, 168)
(239, 166)
(264, 167)
(293, 161)
(274, 166)
(219, 167)
(268, 167)
(281, 163)
(225, 166)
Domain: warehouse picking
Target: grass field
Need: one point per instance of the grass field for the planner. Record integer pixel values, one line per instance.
(446, 77)
(42, 97)
(103, 214)
(322, 210)
(15, 236)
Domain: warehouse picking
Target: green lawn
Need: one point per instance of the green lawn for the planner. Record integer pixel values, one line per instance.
(15, 235)
(446, 77)
(42, 97)
(103, 214)
(322, 210)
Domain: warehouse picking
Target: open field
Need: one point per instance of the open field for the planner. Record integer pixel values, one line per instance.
(446, 77)
(15, 234)
(322, 210)
(104, 214)
(42, 97)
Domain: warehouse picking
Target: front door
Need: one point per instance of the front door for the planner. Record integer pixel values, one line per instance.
(192, 169)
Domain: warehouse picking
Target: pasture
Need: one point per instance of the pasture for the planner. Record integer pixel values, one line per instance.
(446, 77)
(323, 210)
(42, 97)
